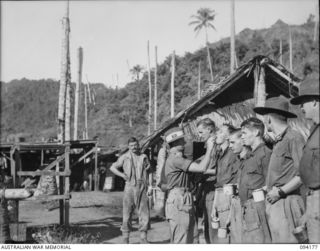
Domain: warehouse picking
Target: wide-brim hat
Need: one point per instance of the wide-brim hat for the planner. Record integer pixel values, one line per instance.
(278, 105)
(308, 89)
(174, 134)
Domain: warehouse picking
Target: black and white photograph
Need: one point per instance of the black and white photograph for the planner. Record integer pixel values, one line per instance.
(159, 122)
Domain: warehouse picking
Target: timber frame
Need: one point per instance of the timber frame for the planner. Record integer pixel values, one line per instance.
(59, 166)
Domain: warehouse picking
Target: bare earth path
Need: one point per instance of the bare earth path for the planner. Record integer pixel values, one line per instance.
(97, 212)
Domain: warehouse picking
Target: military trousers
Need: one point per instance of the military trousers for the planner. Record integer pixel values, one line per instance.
(135, 198)
(283, 217)
(180, 213)
(313, 216)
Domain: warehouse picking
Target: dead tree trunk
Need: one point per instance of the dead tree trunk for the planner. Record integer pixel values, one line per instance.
(77, 94)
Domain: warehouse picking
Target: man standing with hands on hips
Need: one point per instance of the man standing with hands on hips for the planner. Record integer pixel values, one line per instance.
(309, 168)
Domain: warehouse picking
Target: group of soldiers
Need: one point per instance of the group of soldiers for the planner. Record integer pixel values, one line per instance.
(249, 193)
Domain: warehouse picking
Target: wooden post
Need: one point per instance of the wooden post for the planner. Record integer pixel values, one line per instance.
(260, 86)
(96, 171)
(172, 83)
(155, 89)
(150, 93)
(64, 75)
(42, 158)
(68, 112)
(77, 94)
(67, 186)
(232, 39)
(199, 81)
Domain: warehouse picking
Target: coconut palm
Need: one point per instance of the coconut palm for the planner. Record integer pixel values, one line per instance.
(203, 20)
(136, 71)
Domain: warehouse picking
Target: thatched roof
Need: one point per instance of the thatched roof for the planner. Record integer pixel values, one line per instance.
(232, 99)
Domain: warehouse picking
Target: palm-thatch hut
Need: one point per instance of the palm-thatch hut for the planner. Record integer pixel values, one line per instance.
(233, 98)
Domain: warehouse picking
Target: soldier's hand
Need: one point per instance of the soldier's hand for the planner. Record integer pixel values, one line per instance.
(149, 192)
(125, 177)
(210, 143)
(273, 196)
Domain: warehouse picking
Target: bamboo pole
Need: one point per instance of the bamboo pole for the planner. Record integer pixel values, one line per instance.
(150, 92)
(199, 81)
(232, 39)
(290, 49)
(155, 88)
(280, 51)
(172, 83)
(64, 74)
(77, 94)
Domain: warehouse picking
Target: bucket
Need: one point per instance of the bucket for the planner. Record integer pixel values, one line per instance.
(18, 231)
(258, 195)
(215, 223)
(222, 233)
(229, 189)
(300, 233)
(108, 183)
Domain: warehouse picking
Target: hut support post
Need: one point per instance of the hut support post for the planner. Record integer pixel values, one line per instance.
(259, 88)
(96, 179)
(67, 186)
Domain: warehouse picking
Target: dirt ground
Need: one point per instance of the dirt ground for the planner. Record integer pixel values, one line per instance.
(97, 212)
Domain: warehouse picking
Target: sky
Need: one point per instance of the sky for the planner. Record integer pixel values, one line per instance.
(114, 34)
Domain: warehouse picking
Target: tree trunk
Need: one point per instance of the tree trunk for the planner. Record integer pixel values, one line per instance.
(280, 51)
(155, 89)
(209, 57)
(199, 81)
(172, 83)
(290, 49)
(68, 112)
(150, 93)
(64, 75)
(77, 94)
(232, 39)
(85, 113)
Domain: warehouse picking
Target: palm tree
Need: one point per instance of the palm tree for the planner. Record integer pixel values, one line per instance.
(203, 20)
(136, 71)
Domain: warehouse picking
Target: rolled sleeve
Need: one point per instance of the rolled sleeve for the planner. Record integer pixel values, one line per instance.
(182, 164)
(296, 152)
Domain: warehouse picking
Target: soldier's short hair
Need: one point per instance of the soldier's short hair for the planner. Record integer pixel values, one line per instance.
(230, 127)
(255, 123)
(132, 139)
(207, 123)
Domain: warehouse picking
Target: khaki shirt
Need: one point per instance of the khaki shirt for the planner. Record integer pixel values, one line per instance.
(309, 164)
(253, 171)
(176, 169)
(134, 166)
(226, 168)
(285, 158)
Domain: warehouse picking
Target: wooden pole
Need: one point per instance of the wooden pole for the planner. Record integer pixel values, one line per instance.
(172, 83)
(316, 23)
(64, 74)
(68, 112)
(96, 172)
(155, 89)
(280, 51)
(199, 81)
(232, 39)
(67, 186)
(259, 80)
(85, 113)
(150, 92)
(290, 49)
(77, 94)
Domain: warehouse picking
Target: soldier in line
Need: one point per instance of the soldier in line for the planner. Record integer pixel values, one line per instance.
(226, 174)
(180, 210)
(284, 206)
(136, 174)
(309, 98)
(206, 129)
(235, 222)
(252, 176)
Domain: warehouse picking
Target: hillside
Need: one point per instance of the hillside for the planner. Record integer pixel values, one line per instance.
(29, 107)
